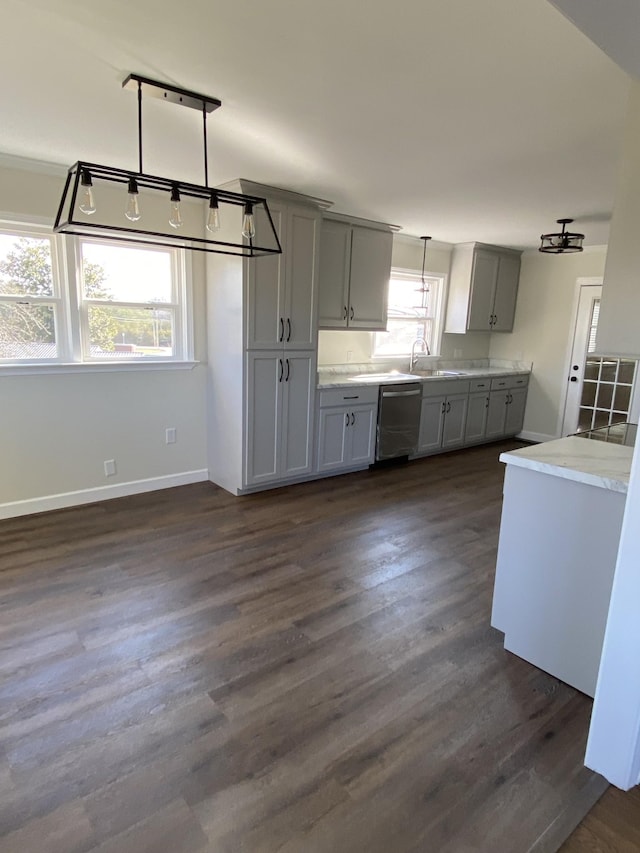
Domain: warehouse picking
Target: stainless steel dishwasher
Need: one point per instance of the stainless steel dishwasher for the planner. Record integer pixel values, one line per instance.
(398, 420)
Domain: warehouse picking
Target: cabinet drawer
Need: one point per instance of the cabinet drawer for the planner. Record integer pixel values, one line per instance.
(444, 387)
(481, 384)
(349, 396)
(500, 383)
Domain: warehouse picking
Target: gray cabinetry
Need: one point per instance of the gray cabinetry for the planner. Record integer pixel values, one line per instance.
(483, 289)
(355, 266)
(347, 428)
(507, 402)
(443, 416)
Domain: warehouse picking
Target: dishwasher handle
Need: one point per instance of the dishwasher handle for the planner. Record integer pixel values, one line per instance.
(401, 393)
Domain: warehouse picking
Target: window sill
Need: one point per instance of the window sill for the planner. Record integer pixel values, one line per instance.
(93, 367)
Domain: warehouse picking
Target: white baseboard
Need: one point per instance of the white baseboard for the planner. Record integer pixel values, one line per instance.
(538, 437)
(100, 493)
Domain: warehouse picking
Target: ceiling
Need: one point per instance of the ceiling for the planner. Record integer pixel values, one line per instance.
(463, 120)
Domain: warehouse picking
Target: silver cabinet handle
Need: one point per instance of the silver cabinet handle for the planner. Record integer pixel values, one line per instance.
(288, 329)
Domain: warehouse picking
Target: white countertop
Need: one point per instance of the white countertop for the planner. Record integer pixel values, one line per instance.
(595, 463)
(341, 377)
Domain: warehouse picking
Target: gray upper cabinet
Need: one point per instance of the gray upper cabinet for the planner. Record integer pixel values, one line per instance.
(483, 289)
(355, 266)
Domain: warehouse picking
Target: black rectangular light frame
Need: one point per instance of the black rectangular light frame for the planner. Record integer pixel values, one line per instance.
(66, 221)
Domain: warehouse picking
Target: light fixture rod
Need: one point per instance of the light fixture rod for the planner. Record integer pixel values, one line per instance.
(140, 169)
(204, 137)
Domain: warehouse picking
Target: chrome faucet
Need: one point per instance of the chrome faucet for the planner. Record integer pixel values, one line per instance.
(414, 356)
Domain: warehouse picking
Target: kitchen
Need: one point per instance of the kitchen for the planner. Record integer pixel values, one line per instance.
(63, 466)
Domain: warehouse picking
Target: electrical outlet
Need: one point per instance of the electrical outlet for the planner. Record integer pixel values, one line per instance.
(170, 435)
(109, 467)
(349, 355)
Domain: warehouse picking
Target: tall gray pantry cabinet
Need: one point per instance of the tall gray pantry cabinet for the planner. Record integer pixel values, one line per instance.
(262, 349)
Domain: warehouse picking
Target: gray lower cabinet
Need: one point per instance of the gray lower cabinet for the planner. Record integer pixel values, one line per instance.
(280, 402)
(477, 410)
(507, 402)
(443, 417)
(347, 429)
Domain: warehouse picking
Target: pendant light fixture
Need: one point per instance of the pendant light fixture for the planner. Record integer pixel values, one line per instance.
(424, 288)
(561, 242)
(83, 211)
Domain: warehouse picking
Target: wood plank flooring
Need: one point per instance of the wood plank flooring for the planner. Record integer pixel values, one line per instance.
(612, 826)
(305, 670)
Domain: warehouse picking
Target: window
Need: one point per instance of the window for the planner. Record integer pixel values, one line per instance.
(30, 304)
(413, 313)
(75, 300)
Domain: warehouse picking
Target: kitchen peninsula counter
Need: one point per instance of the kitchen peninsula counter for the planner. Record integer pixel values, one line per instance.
(561, 520)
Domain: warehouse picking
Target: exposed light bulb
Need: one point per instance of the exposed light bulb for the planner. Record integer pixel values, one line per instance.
(213, 219)
(132, 210)
(175, 219)
(87, 204)
(248, 222)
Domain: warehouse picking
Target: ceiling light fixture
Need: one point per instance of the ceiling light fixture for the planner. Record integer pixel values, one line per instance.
(561, 242)
(78, 212)
(424, 288)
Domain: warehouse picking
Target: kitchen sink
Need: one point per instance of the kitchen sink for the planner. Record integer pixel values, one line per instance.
(427, 373)
(391, 375)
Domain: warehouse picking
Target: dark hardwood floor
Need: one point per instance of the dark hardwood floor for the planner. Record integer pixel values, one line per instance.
(304, 670)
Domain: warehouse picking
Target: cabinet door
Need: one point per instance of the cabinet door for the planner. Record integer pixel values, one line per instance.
(335, 262)
(362, 434)
(484, 276)
(332, 438)
(299, 307)
(431, 424)
(496, 414)
(297, 413)
(264, 297)
(476, 417)
(369, 279)
(455, 420)
(515, 411)
(504, 303)
(264, 401)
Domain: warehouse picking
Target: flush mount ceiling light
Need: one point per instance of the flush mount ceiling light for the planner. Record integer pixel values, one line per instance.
(561, 242)
(105, 202)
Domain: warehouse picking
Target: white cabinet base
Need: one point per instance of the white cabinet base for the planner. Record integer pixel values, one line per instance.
(556, 559)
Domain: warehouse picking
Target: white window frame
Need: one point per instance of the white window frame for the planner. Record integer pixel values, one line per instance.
(181, 344)
(68, 307)
(56, 300)
(437, 314)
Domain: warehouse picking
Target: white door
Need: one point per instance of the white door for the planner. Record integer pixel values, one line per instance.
(297, 413)
(265, 376)
(299, 306)
(335, 262)
(583, 340)
(496, 414)
(369, 278)
(515, 411)
(265, 286)
(483, 288)
(455, 419)
(332, 439)
(476, 426)
(362, 428)
(504, 303)
(431, 424)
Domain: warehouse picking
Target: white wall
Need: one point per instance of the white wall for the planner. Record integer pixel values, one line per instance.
(338, 347)
(618, 328)
(56, 429)
(543, 331)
